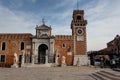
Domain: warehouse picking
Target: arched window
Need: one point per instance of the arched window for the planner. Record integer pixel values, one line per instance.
(22, 45)
(63, 45)
(3, 46)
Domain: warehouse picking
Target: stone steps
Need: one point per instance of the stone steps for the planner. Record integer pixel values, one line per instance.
(116, 69)
(105, 75)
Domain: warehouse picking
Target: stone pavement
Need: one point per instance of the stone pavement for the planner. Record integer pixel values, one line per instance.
(48, 73)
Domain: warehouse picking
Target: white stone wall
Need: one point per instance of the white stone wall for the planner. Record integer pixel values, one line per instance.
(51, 46)
(38, 42)
(80, 60)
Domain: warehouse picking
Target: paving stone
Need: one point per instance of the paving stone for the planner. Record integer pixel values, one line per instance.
(51, 73)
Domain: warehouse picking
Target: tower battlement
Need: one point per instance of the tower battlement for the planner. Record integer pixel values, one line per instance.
(78, 12)
(63, 37)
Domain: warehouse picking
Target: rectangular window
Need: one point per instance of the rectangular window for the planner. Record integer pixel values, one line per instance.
(3, 46)
(2, 58)
(20, 58)
(22, 45)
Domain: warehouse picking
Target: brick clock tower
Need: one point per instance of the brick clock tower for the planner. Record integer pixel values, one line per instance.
(78, 26)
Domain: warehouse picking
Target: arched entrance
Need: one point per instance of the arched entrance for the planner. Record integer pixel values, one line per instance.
(42, 53)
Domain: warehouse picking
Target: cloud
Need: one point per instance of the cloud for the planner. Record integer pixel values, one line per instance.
(34, 1)
(15, 4)
(65, 4)
(14, 23)
(61, 30)
(103, 23)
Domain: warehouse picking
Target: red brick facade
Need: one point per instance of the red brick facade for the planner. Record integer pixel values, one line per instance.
(64, 45)
(13, 45)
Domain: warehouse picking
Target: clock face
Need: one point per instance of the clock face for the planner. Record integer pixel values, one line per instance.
(79, 31)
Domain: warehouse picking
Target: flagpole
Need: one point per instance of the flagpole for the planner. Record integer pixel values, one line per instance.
(77, 5)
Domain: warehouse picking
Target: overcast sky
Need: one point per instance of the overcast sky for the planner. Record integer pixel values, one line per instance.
(22, 16)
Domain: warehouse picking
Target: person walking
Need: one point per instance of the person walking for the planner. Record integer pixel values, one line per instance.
(102, 62)
(113, 63)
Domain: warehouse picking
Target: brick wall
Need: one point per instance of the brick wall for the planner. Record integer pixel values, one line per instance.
(13, 45)
(63, 44)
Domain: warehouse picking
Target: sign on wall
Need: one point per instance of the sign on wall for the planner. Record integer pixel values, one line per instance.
(28, 47)
(69, 53)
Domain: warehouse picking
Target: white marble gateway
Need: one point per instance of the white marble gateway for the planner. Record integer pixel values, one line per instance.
(43, 45)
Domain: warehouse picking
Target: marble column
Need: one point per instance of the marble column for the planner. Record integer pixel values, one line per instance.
(56, 59)
(33, 59)
(28, 57)
(46, 57)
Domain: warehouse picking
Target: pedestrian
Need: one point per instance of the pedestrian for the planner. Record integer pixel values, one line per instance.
(101, 62)
(113, 63)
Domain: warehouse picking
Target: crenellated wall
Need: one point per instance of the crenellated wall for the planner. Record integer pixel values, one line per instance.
(63, 37)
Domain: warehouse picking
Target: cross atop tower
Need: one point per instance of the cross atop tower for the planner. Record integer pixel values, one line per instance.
(43, 21)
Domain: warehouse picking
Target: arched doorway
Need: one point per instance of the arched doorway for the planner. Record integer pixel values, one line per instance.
(42, 53)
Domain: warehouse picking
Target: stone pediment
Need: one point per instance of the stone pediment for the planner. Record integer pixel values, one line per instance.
(44, 36)
(43, 27)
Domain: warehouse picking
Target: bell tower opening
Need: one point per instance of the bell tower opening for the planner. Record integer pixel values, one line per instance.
(78, 17)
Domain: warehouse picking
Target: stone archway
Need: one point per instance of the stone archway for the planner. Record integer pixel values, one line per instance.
(42, 53)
